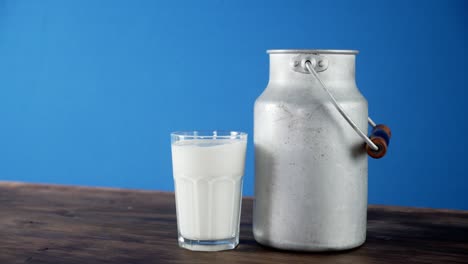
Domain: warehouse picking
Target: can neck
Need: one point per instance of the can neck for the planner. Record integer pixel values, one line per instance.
(341, 67)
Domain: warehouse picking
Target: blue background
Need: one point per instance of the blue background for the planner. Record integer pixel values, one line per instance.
(90, 90)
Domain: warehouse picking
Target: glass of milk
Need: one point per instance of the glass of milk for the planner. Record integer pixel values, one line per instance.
(208, 168)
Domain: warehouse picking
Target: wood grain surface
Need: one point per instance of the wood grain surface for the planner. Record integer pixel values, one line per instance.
(63, 224)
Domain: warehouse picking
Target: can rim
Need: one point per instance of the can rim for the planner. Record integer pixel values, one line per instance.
(311, 51)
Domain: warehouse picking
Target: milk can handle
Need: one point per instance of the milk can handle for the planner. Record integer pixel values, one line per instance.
(377, 143)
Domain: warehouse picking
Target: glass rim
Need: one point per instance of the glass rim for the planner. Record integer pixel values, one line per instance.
(210, 134)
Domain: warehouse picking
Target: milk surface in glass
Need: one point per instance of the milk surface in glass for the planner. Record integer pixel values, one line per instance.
(208, 182)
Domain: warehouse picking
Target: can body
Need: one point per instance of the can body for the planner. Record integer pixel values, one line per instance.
(310, 165)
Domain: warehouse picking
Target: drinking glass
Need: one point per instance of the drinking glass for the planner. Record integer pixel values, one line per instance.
(208, 169)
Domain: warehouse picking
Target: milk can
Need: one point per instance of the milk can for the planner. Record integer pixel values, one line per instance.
(311, 146)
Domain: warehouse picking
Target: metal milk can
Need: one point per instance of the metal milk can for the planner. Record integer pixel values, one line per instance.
(310, 137)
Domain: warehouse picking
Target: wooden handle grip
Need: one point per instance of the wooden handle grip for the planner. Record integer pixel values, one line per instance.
(384, 128)
(380, 135)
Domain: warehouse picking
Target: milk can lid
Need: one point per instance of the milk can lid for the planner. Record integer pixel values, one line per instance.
(313, 51)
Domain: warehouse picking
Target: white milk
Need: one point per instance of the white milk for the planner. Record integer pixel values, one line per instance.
(208, 182)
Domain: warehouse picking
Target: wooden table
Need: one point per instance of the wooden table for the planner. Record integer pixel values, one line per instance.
(62, 224)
